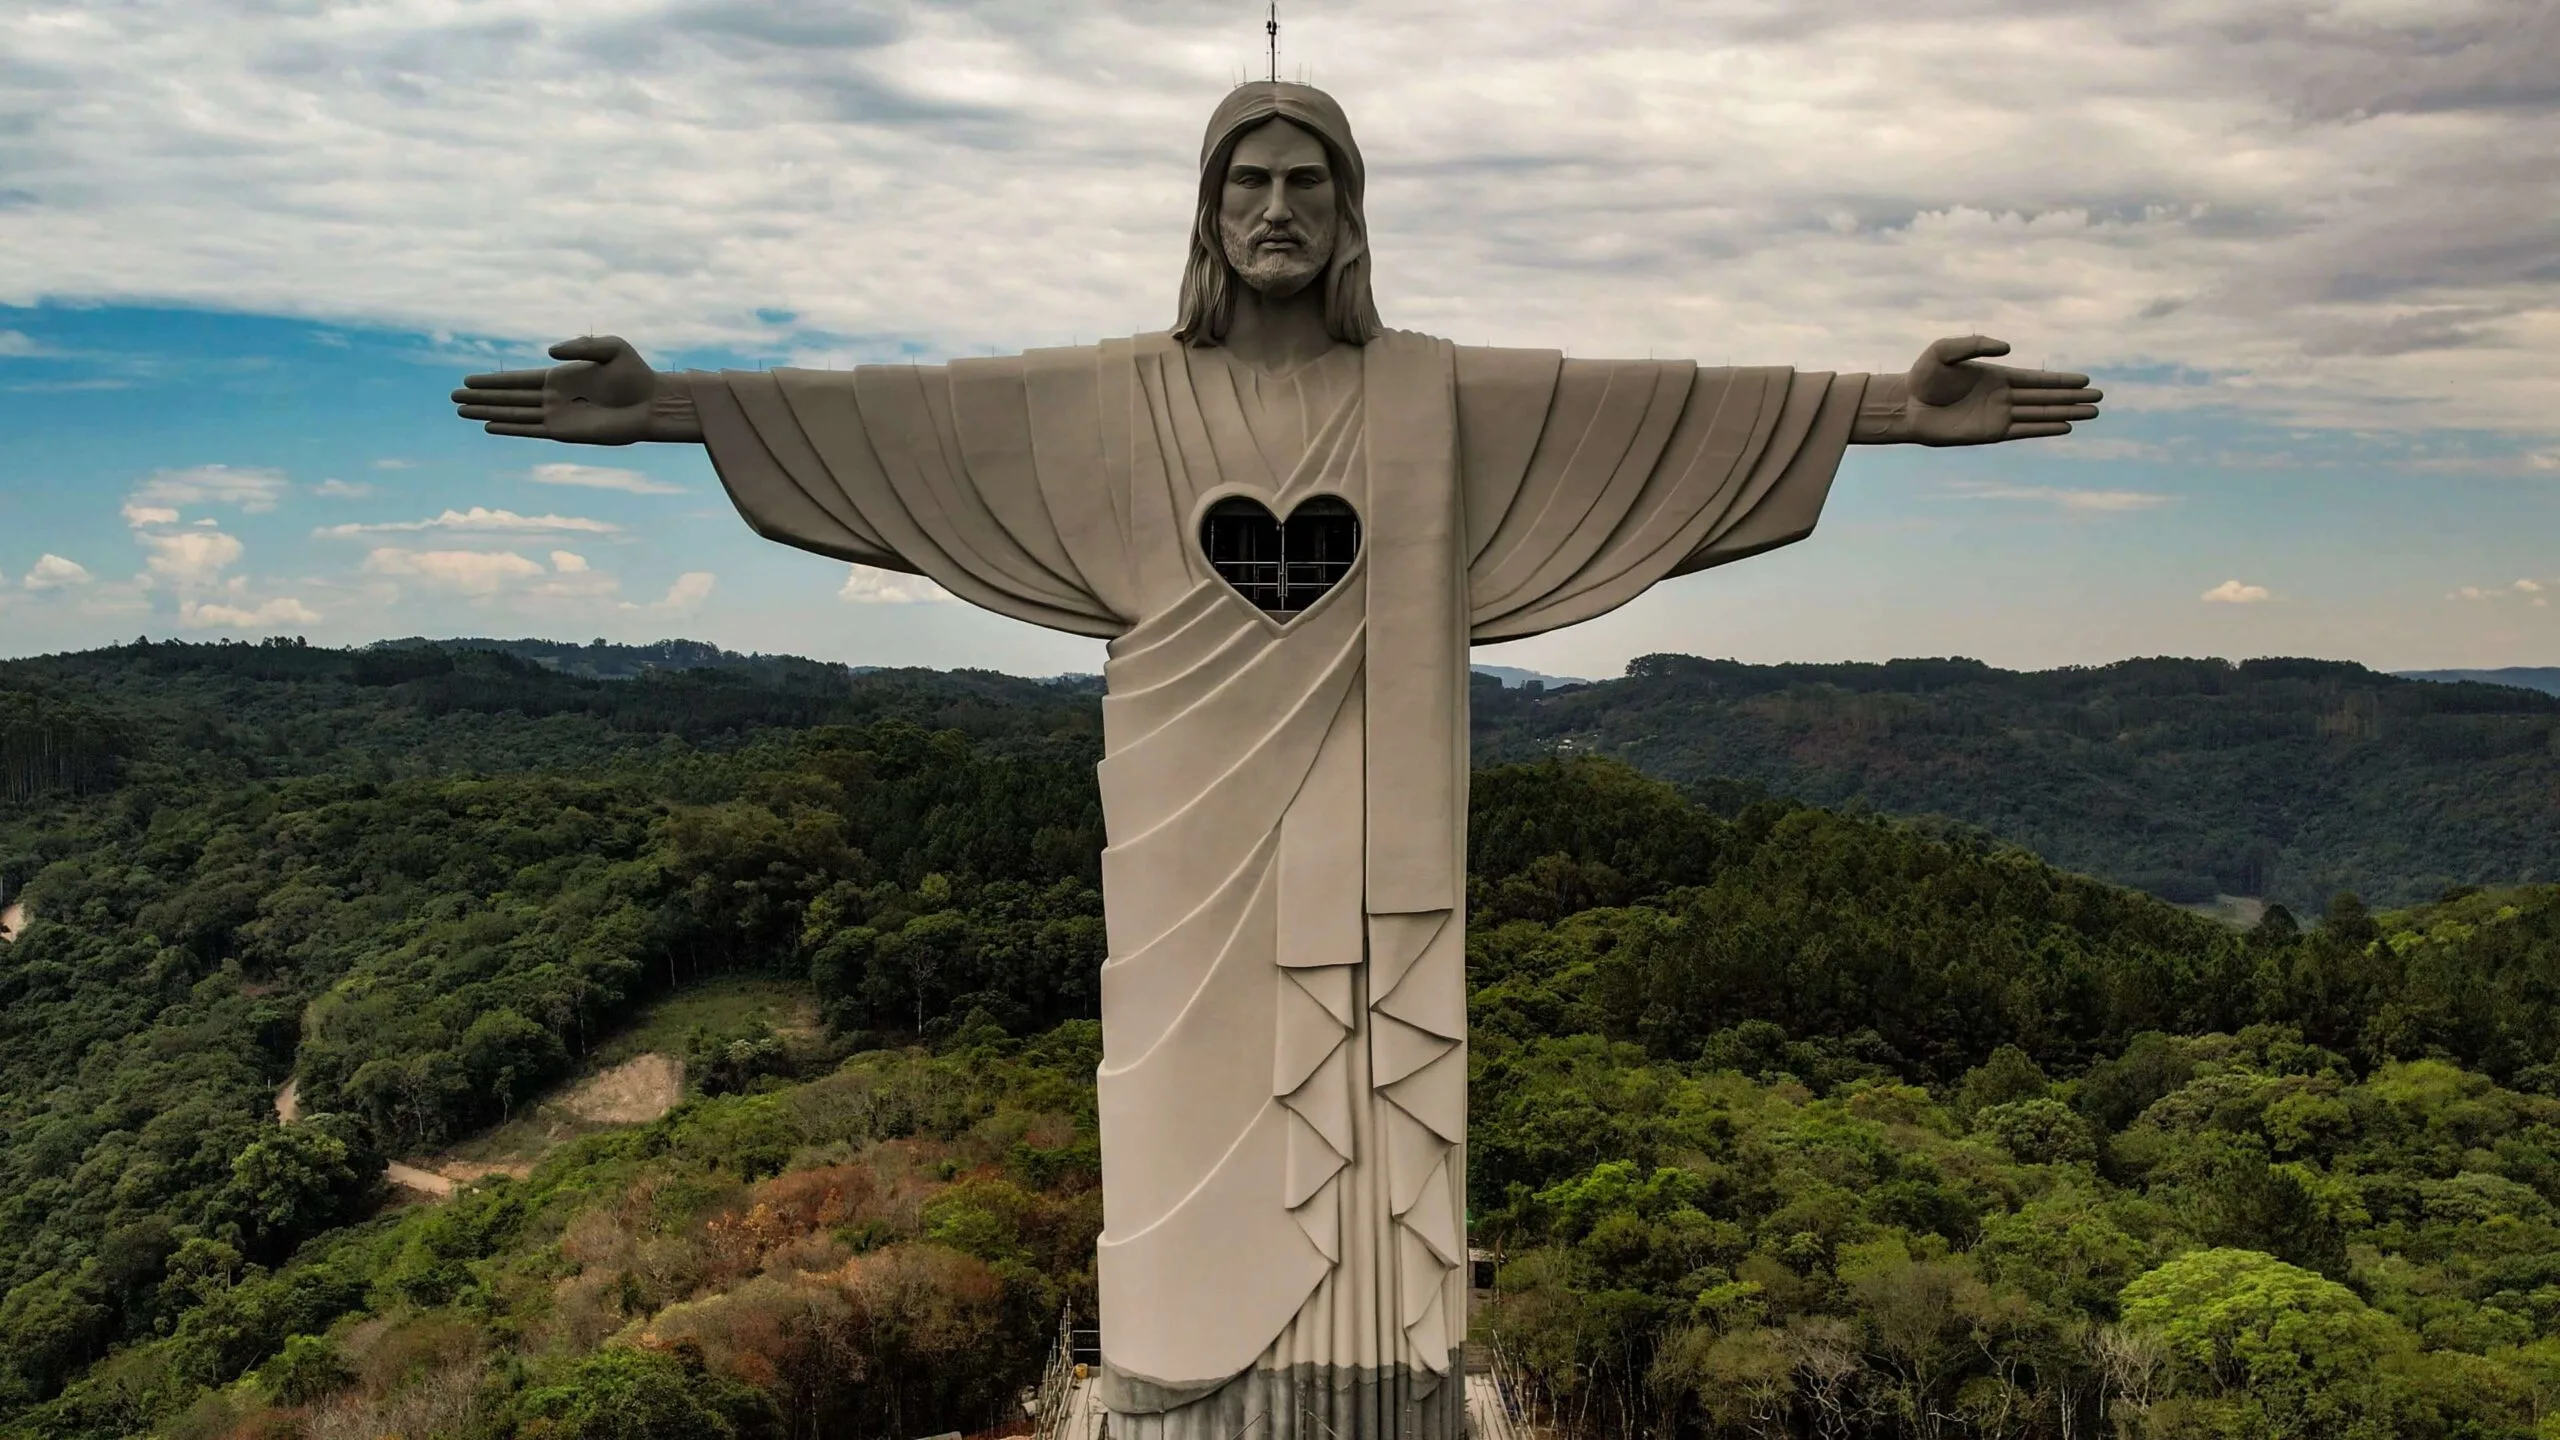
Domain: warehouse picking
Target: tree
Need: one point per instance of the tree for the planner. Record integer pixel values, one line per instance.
(2276, 1350)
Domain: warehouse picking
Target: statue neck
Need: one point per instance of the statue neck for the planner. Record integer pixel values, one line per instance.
(1278, 335)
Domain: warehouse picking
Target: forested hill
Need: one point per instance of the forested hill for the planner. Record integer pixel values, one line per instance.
(2285, 779)
(2288, 779)
(1782, 1121)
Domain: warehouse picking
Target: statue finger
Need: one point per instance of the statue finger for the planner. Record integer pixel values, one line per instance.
(2018, 412)
(2041, 395)
(2035, 429)
(529, 432)
(598, 348)
(2048, 380)
(506, 414)
(499, 395)
(506, 380)
(1956, 349)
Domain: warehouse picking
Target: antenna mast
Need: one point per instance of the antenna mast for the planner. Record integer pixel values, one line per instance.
(1271, 28)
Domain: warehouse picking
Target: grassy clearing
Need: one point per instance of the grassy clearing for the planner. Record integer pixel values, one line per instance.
(727, 1006)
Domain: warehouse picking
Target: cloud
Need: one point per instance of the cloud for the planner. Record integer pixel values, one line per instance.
(2336, 212)
(337, 489)
(393, 462)
(253, 490)
(600, 477)
(52, 572)
(471, 572)
(18, 345)
(2528, 588)
(2081, 445)
(478, 520)
(683, 598)
(867, 586)
(2107, 502)
(190, 557)
(141, 515)
(2233, 592)
(213, 615)
(568, 562)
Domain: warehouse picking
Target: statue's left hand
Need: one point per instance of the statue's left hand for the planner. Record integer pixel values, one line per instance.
(1952, 398)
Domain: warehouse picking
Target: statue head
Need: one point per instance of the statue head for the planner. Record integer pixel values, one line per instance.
(1276, 218)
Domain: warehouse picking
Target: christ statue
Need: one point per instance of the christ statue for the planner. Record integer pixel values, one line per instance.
(1290, 523)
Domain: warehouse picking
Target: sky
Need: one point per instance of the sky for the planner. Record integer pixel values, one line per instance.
(2310, 248)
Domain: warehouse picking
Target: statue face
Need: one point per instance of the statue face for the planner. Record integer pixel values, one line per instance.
(1276, 209)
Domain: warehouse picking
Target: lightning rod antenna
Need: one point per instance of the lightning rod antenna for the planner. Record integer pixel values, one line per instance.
(1271, 28)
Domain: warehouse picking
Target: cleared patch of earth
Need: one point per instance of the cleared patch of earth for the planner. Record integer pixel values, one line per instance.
(12, 920)
(634, 1092)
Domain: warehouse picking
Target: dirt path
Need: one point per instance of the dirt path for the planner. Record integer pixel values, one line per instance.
(289, 1103)
(12, 920)
(425, 1182)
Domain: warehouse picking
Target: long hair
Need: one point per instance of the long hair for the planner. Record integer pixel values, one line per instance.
(1209, 283)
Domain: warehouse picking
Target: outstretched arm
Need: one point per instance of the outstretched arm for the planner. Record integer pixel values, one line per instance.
(1950, 398)
(604, 394)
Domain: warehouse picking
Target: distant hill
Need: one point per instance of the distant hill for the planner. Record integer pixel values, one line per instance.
(1513, 677)
(2288, 779)
(2282, 779)
(2545, 678)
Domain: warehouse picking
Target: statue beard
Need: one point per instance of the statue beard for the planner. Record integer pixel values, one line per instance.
(1276, 272)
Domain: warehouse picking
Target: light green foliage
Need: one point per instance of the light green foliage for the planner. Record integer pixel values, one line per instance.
(2272, 1349)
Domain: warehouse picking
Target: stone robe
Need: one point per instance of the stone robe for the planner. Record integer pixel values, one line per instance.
(1283, 1088)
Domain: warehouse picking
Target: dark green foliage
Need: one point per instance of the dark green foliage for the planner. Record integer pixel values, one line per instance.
(2289, 779)
(623, 1394)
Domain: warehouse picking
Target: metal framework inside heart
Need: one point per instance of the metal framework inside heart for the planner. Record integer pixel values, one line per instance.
(1281, 565)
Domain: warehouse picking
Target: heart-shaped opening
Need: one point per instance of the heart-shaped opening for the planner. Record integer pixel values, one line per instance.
(1281, 566)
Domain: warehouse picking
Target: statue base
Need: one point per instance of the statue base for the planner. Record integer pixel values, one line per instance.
(1301, 1402)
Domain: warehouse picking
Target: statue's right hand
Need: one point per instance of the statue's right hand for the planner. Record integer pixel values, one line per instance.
(599, 396)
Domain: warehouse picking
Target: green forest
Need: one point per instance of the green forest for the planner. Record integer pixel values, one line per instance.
(1786, 1121)
(2285, 779)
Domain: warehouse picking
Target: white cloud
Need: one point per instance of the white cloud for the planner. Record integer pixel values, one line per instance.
(2529, 588)
(867, 586)
(337, 489)
(683, 598)
(52, 572)
(2233, 592)
(568, 562)
(254, 490)
(2108, 502)
(393, 462)
(212, 615)
(600, 477)
(478, 520)
(190, 557)
(141, 515)
(18, 345)
(2338, 212)
(471, 572)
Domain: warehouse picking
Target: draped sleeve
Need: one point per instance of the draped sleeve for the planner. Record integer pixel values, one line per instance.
(985, 476)
(1586, 481)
